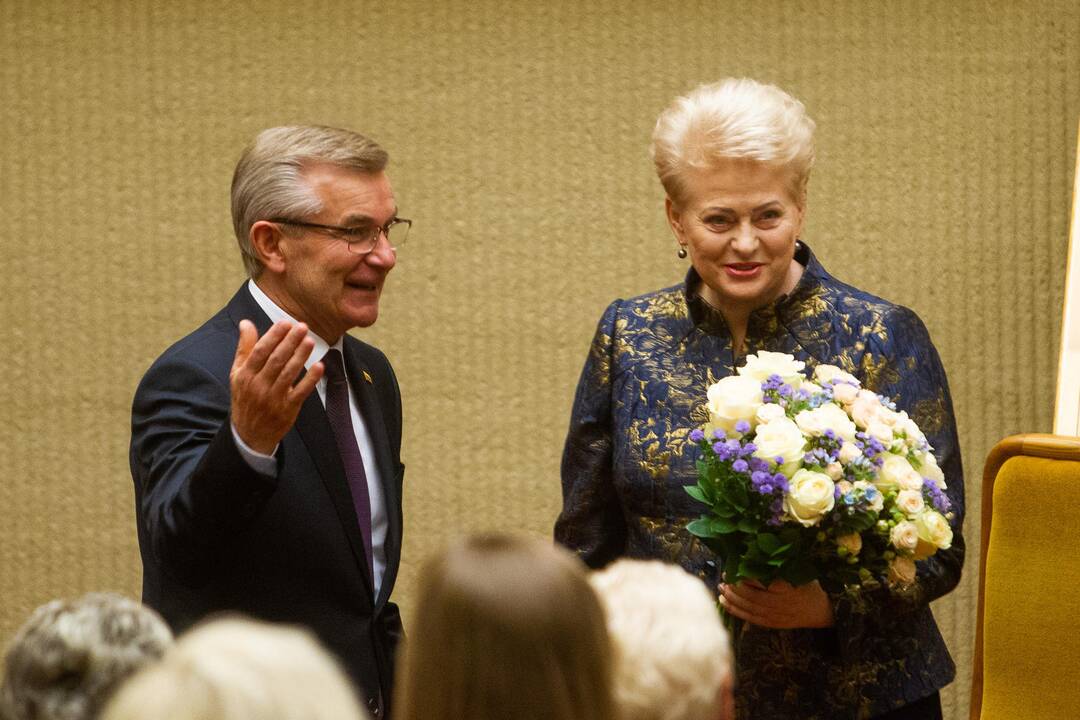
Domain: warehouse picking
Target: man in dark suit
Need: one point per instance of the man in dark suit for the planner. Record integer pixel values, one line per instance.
(265, 444)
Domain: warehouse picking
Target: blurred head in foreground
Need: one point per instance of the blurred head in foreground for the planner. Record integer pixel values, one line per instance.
(235, 669)
(505, 628)
(672, 655)
(66, 660)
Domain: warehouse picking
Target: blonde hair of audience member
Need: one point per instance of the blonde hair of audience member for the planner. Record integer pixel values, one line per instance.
(70, 655)
(672, 654)
(505, 628)
(234, 669)
(733, 119)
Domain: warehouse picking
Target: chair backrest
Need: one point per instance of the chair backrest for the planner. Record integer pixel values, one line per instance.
(1067, 407)
(1027, 641)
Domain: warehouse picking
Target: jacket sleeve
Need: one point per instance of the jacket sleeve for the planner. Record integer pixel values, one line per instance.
(193, 487)
(591, 522)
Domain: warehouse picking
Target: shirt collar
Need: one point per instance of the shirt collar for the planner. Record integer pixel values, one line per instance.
(275, 314)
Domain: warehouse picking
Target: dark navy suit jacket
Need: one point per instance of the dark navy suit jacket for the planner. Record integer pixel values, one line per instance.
(215, 536)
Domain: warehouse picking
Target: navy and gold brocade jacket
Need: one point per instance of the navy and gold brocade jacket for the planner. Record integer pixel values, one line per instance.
(627, 459)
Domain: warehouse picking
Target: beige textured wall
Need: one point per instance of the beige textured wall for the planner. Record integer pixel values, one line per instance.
(518, 133)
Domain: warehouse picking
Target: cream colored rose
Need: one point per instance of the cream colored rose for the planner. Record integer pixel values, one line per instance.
(911, 481)
(934, 534)
(809, 387)
(904, 536)
(827, 417)
(769, 412)
(852, 542)
(902, 571)
(732, 399)
(863, 411)
(834, 470)
(848, 452)
(766, 363)
(881, 431)
(845, 487)
(810, 495)
(893, 469)
(877, 501)
(929, 468)
(911, 430)
(780, 438)
(845, 393)
(910, 501)
(831, 373)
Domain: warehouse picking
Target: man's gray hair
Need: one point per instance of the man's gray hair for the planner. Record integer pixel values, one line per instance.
(268, 181)
(68, 658)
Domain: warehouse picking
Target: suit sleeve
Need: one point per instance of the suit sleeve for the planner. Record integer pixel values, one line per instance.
(195, 490)
(591, 522)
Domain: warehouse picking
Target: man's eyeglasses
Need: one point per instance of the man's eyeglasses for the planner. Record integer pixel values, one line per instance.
(361, 239)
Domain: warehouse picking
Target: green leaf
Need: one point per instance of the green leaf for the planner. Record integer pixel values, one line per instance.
(696, 492)
(722, 526)
(748, 525)
(768, 542)
(702, 528)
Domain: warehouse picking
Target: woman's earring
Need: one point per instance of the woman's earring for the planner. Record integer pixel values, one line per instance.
(681, 253)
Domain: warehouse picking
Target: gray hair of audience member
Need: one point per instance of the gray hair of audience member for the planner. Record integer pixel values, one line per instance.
(733, 119)
(672, 653)
(238, 669)
(505, 628)
(66, 660)
(269, 178)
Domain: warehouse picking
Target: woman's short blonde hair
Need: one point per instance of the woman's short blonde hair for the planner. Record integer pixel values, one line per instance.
(672, 653)
(234, 669)
(735, 118)
(505, 628)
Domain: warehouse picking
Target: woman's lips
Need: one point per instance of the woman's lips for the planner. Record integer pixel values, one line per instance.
(743, 271)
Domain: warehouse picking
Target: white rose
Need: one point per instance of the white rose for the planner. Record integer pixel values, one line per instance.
(881, 431)
(904, 536)
(766, 363)
(845, 393)
(863, 411)
(780, 438)
(902, 571)
(831, 373)
(934, 534)
(809, 496)
(848, 452)
(929, 468)
(887, 416)
(893, 469)
(732, 399)
(845, 487)
(769, 412)
(827, 417)
(809, 387)
(852, 542)
(911, 429)
(877, 502)
(911, 481)
(834, 470)
(910, 501)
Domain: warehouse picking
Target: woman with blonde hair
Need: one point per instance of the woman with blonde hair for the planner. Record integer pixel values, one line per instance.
(236, 669)
(734, 159)
(506, 628)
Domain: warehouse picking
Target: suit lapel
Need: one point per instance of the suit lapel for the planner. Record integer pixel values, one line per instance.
(318, 437)
(363, 383)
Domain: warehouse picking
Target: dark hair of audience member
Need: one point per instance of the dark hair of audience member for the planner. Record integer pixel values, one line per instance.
(505, 628)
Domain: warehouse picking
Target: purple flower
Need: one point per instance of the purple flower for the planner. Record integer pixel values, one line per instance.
(696, 435)
(719, 448)
(740, 465)
(765, 489)
(779, 459)
(742, 427)
(756, 463)
(749, 448)
(719, 434)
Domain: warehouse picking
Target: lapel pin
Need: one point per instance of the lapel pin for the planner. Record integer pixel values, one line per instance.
(367, 377)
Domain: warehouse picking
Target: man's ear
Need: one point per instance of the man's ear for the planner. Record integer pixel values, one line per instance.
(266, 239)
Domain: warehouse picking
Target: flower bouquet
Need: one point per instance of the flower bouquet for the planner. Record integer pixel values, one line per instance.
(811, 477)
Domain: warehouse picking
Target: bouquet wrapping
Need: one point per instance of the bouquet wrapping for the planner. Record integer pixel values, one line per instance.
(812, 477)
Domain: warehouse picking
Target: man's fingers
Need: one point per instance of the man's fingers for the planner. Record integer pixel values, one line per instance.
(292, 367)
(248, 336)
(281, 355)
(267, 344)
(299, 392)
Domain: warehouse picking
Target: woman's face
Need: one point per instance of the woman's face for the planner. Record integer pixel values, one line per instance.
(739, 222)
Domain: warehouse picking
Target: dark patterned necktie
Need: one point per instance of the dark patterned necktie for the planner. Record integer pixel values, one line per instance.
(337, 411)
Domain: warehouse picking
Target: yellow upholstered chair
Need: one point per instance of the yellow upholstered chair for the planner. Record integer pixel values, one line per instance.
(1027, 642)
